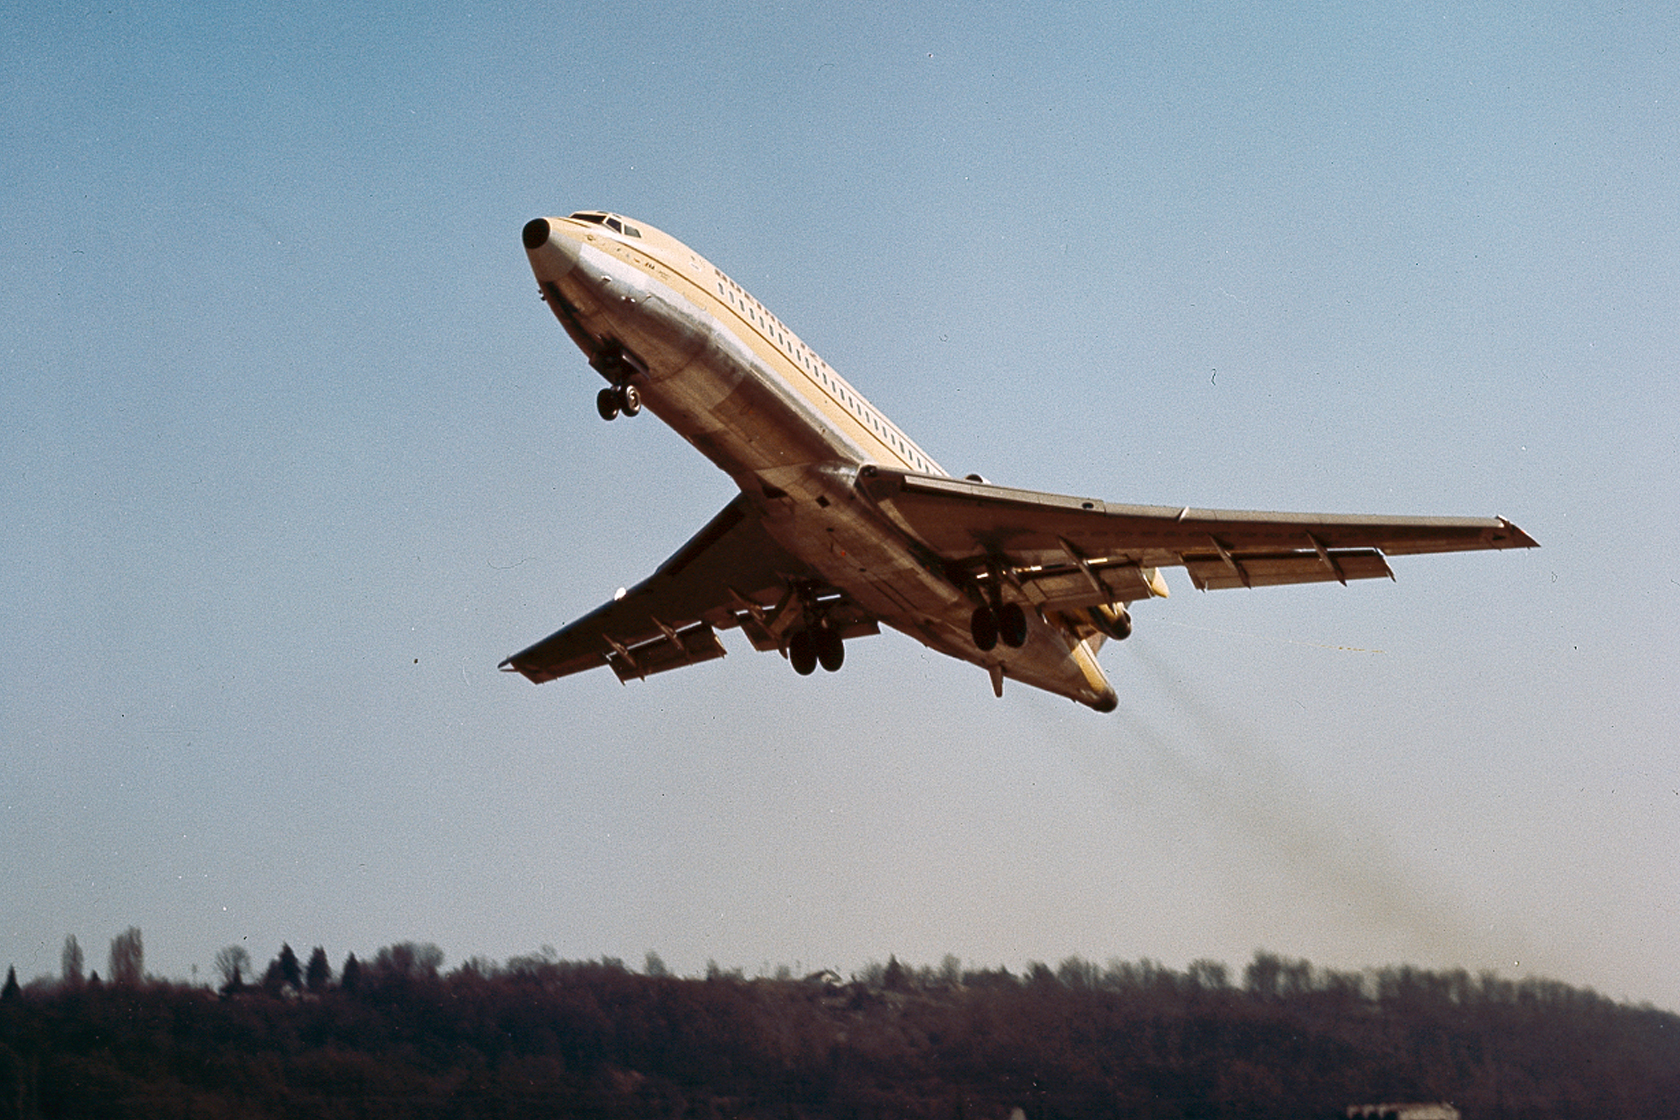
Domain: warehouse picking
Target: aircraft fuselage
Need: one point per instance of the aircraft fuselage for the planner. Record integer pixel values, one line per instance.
(672, 333)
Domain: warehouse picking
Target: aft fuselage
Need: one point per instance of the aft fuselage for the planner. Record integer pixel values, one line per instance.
(716, 366)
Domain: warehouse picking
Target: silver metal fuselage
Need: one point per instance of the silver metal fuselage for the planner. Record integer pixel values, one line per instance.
(720, 370)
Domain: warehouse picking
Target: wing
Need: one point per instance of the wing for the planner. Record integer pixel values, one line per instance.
(1066, 552)
(730, 574)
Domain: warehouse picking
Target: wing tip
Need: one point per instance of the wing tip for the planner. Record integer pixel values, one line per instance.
(508, 666)
(1519, 539)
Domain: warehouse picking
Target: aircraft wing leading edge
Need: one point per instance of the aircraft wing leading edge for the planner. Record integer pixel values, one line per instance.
(720, 579)
(1069, 552)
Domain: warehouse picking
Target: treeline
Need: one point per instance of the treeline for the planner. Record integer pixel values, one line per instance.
(537, 1036)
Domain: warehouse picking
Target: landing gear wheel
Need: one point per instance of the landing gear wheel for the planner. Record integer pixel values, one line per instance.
(629, 400)
(1012, 625)
(802, 652)
(831, 650)
(984, 627)
(607, 403)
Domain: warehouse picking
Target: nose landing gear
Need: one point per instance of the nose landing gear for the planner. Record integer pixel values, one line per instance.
(617, 367)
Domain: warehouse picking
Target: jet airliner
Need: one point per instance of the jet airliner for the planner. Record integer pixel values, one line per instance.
(843, 524)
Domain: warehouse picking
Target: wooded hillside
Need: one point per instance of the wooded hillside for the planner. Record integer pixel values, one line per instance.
(540, 1037)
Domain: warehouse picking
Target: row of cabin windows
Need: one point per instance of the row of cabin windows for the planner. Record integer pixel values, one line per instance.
(755, 313)
(799, 352)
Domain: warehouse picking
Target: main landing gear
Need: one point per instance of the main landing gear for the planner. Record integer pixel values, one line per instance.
(816, 639)
(994, 623)
(813, 646)
(614, 399)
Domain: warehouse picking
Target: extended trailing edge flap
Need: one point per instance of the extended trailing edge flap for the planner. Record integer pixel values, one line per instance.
(672, 650)
(1055, 541)
(1217, 572)
(715, 581)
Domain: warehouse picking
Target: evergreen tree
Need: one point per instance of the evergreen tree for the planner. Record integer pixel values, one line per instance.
(350, 976)
(318, 973)
(273, 980)
(290, 971)
(11, 991)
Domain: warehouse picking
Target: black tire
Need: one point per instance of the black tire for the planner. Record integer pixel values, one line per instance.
(831, 650)
(606, 403)
(629, 400)
(1123, 626)
(984, 628)
(802, 652)
(1012, 625)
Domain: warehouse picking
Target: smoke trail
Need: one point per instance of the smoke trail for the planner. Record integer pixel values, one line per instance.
(1247, 792)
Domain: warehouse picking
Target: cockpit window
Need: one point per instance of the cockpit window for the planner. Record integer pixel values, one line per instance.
(611, 221)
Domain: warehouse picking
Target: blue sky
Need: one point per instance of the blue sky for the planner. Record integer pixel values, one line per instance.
(296, 456)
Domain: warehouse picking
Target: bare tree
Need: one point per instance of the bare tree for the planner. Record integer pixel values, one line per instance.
(71, 961)
(231, 964)
(128, 957)
(1209, 976)
(406, 958)
(1261, 977)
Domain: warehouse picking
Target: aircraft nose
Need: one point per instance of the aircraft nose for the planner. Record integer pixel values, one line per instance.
(552, 251)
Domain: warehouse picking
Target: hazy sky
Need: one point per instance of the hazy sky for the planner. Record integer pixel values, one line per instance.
(294, 456)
